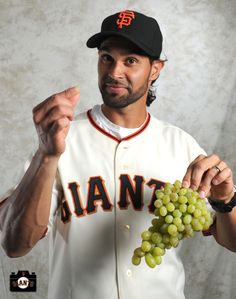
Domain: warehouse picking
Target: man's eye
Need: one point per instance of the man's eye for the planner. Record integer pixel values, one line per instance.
(131, 60)
(106, 58)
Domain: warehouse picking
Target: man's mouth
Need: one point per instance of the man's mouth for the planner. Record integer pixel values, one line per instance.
(114, 88)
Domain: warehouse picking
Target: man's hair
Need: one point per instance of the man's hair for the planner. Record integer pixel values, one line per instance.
(152, 90)
(151, 94)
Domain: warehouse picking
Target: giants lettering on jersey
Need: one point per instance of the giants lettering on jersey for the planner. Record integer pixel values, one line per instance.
(131, 192)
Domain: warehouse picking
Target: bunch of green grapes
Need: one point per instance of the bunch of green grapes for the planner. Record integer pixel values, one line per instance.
(179, 213)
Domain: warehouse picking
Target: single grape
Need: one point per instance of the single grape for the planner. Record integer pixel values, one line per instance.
(183, 208)
(202, 219)
(159, 194)
(180, 227)
(163, 228)
(172, 230)
(163, 211)
(189, 193)
(152, 229)
(146, 235)
(177, 213)
(170, 207)
(176, 204)
(192, 199)
(182, 199)
(136, 260)
(189, 234)
(168, 186)
(197, 213)
(146, 246)
(177, 184)
(158, 259)
(174, 241)
(165, 199)
(161, 245)
(191, 208)
(198, 204)
(158, 222)
(177, 221)
(196, 225)
(158, 251)
(138, 252)
(166, 238)
(158, 203)
(150, 260)
(183, 191)
(169, 219)
(187, 219)
(174, 197)
(155, 221)
(156, 238)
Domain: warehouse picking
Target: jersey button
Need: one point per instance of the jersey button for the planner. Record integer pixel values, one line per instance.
(129, 273)
(127, 226)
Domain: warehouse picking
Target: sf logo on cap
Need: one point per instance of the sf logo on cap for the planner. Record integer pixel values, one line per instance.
(125, 18)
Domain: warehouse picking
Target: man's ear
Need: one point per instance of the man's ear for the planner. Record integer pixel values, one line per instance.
(157, 66)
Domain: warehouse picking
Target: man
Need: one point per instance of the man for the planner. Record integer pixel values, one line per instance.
(93, 178)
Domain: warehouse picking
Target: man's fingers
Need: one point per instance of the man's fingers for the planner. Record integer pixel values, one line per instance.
(199, 169)
(71, 92)
(216, 173)
(36, 108)
(222, 176)
(67, 97)
(59, 125)
(55, 114)
(187, 179)
(204, 172)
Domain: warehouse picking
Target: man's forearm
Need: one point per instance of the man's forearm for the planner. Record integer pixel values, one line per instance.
(224, 229)
(24, 215)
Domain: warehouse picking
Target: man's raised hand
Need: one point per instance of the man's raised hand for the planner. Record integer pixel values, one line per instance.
(52, 120)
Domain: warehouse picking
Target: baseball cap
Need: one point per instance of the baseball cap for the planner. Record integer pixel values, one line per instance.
(138, 28)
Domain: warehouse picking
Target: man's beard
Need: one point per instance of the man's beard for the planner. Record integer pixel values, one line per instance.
(113, 100)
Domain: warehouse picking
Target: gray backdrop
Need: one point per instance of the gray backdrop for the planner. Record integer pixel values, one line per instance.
(42, 51)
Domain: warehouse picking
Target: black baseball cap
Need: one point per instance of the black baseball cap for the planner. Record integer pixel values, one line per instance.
(138, 28)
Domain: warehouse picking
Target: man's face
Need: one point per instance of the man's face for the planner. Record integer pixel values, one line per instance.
(124, 76)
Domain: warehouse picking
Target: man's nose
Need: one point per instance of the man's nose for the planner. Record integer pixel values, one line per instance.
(117, 70)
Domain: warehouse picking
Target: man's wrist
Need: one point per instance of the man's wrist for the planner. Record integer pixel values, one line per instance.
(224, 206)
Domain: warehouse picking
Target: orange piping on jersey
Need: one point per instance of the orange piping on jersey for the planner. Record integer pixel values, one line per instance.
(144, 126)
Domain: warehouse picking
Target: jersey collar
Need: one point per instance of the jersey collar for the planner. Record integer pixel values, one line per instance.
(94, 124)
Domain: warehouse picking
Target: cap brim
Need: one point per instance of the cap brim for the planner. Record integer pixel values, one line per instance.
(96, 40)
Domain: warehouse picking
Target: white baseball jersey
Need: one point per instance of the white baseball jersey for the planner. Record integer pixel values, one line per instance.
(107, 194)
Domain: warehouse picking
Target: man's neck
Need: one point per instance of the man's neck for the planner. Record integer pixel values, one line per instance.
(128, 117)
